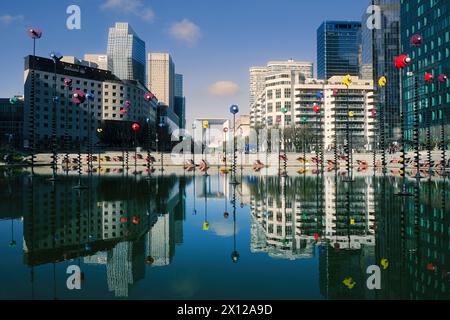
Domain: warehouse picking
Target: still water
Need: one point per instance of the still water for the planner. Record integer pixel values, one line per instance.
(200, 237)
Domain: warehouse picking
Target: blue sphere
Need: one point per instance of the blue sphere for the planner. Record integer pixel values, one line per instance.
(55, 99)
(234, 109)
(90, 96)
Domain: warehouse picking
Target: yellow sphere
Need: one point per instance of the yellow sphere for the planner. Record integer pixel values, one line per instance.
(382, 81)
(347, 80)
(351, 114)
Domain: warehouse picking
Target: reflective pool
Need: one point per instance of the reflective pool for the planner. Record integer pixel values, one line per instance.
(200, 237)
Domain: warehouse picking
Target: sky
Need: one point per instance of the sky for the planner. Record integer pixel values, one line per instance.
(213, 42)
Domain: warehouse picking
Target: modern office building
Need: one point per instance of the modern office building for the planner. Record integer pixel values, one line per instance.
(180, 101)
(126, 52)
(380, 46)
(298, 95)
(101, 60)
(161, 77)
(431, 20)
(338, 48)
(110, 94)
(11, 122)
(258, 74)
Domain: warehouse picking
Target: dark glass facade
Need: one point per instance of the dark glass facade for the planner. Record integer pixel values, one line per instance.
(430, 19)
(380, 46)
(338, 48)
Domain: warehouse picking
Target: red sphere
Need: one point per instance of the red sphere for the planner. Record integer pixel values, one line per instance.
(136, 127)
(226, 215)
(428, 77)
(442, 78)
(123, 220)
(402, 61)
(316, 109)
(135, 220)
(416, 40)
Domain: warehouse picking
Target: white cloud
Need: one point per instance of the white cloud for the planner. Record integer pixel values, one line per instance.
(7, 19)
(224, 88)
(135, 7)
(186, 31)
(223, 228)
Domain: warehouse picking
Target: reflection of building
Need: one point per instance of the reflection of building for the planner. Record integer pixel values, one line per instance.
(125, 266)
(161, 242)
(354, 229)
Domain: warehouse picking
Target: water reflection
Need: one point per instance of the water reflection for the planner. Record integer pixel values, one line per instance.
(126, 225)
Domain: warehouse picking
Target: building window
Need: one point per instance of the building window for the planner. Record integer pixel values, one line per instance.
(278, 106)
(278, 94)
(287, 93)
(270, 107)
(269, 94)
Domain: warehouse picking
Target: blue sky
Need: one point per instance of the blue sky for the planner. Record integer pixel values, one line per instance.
(210, 40)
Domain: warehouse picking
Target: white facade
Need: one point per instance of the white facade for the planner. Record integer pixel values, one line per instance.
(101, 60)
(289, 89)
(161, 77)
(258, 74)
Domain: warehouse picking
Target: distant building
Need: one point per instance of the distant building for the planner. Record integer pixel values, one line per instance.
(180, 101)
(258, 74)
(379, 49)
(101, 60)
(126, 52)
(338, 48)
(11, 122)
(161, 77)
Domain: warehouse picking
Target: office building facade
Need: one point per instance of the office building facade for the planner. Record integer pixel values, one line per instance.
(380, 46)
(430, 19)
(338, 49)
(11, 122)
(126, 52)
(110, 94)
(101, 60)
(161, 77)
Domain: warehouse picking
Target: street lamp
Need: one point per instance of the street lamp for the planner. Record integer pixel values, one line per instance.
(234, 109)
(304, 121)
(442, 78)
(33, 33)
(381, 120)
(225, 131)
(316, 110)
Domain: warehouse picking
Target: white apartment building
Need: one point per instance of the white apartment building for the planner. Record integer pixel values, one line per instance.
(109, 92)
(258, 74)
(161, 77)
(289, 89)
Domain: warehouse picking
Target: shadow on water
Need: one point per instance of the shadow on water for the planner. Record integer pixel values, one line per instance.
(303, 236)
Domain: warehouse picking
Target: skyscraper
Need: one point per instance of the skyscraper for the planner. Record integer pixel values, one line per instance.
(126, 52)
(180, 101)
(101, 60)
(379, 48)
(161, 77)
(430, 19)
(338, 48)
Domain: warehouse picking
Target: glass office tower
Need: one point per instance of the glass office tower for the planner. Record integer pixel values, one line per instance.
(379, 49)
(126, 52)
(430, 19)
(338, 48)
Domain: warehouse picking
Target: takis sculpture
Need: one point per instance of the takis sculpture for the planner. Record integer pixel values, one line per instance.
(67, 86)
(56, 57)
(90, 99)
(33, 33)
(78, 98)
(234, 109)
(347, 81)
